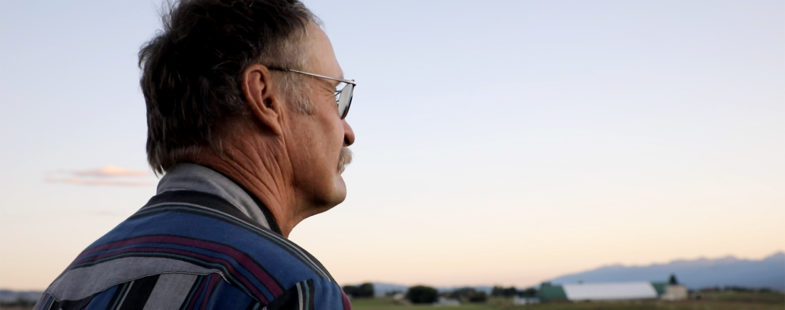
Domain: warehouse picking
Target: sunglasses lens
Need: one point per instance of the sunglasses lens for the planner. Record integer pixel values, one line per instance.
(345, 100)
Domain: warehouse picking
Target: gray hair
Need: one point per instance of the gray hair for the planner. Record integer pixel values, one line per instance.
(192, 70)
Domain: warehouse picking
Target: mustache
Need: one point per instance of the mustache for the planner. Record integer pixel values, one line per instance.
(344, 158)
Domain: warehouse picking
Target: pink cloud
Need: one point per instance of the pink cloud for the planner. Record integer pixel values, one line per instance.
(93, 182)
(111, 171)
(105, 176)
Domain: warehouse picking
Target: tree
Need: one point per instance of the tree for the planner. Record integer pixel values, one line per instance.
(421, 294)
(469, 294)
(529, 292)
(478, 297)
(461, 293)
(364, 290)
(504, 291)
(672, 280)
(350, 290)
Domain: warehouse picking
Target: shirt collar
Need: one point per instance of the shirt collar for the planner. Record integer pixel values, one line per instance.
(194, 177)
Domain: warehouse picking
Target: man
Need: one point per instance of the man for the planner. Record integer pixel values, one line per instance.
(245, 110)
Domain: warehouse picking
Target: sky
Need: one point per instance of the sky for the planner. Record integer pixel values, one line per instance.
(506, 143)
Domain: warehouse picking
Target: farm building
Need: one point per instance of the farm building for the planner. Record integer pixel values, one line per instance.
(606, 291)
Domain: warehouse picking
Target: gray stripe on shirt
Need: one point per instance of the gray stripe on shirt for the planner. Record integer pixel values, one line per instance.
(79, 283)
(170, 291)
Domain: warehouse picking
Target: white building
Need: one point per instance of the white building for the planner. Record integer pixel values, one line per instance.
(610, 291)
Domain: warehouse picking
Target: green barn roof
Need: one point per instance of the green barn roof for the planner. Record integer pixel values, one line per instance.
(550, 292)
(659, 287)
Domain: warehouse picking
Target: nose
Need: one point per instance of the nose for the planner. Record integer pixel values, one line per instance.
(348, 133)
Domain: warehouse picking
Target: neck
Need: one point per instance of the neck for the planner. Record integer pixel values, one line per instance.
(260, 164)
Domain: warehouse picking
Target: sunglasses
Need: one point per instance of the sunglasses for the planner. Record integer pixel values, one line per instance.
(343, 95)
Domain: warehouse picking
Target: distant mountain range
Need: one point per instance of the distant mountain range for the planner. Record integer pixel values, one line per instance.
(695, 274)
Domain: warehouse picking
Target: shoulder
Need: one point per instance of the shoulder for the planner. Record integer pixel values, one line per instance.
(202, 231)
(184, 291)
(200, 251)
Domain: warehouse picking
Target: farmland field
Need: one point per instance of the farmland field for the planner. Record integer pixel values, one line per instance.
(715, 301)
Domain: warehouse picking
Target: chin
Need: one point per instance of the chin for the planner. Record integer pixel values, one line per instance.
(329, 198)
(329, 202)
(338, 194)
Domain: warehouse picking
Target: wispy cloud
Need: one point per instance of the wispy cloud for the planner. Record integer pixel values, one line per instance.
(105, 176)
(111, 171)
(92, 182)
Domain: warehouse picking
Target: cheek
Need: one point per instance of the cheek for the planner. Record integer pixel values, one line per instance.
(335, 129)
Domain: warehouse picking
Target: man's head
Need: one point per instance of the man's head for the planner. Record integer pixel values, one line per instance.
(218, 64)
(192, 71)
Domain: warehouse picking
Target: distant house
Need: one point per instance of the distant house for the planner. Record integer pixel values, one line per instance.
(675, 292)
(525, 300)
(446, 301)
(610, 291)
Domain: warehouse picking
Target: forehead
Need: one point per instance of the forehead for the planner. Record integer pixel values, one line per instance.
(320, 55)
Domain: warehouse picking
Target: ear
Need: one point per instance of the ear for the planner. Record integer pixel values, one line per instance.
(261, 97)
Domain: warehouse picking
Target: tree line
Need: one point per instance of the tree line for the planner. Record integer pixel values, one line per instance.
(423, 294)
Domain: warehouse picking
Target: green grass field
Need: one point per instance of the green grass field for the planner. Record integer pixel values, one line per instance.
(710, 301)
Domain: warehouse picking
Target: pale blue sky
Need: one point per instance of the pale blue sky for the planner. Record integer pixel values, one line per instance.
(497, 143)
